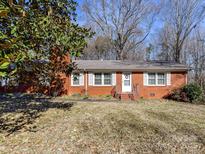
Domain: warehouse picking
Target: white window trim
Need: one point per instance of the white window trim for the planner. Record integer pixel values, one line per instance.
(75, 85)
(156, 79)
(102, 79)
(90, 79)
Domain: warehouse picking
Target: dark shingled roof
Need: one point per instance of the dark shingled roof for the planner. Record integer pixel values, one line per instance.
(118, 65)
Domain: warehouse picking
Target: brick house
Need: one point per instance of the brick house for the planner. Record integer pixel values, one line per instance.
(123, 79)
(126, 80)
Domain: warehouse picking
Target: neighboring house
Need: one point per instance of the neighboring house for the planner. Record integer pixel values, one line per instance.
(123, 79)
(127, 80)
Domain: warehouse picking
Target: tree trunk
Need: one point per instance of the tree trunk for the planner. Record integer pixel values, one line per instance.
(177, 55)
(120, 55)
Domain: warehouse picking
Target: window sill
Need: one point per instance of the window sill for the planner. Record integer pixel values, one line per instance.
(102, 85)
(77, 85)
(155, 85)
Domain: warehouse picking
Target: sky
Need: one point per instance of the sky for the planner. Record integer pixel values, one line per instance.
(158, 24)
(81, 21)
(80, 17)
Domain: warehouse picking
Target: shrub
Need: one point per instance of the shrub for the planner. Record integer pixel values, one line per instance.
(178, 95)
(189, 93)
(193, 91)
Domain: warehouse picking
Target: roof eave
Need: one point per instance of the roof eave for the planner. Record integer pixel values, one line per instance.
(137, 70)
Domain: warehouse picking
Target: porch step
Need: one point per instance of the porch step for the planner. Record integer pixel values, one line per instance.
(126, 96)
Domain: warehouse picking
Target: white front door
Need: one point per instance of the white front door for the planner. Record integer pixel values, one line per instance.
(126, 82)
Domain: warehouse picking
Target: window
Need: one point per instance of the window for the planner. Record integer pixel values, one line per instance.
(156, 79)
(126, 82)
(103, 78)
(98, 79)
(76, 79)
(161, 78)
(151, 78)
(107, 78)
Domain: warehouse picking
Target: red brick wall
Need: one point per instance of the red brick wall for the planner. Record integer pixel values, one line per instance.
(92, 90)
(178, 79)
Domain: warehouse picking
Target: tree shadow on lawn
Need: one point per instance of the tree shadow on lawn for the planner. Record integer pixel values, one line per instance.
(19, 111)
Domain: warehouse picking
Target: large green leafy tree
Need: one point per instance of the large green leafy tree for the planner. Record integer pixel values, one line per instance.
(32, 32)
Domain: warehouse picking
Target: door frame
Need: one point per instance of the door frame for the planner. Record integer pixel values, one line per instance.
(124, 91)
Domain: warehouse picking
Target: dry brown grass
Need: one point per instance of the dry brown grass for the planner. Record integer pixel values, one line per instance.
(110, 127)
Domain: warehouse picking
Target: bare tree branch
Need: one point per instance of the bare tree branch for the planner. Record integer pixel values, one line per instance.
(123, 21)
(181, 18)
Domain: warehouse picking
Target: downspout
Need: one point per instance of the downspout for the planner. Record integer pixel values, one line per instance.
(86, 82)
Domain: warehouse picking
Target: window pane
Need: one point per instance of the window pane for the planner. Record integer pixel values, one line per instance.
(151, 81)
(98, 78)
(107, 78)
(107, 75)
(98, 75)
(107, 82)
(151, 75)
(151, 78)
(76, 78)
(127, 82)
(98, 81)
(161, 81)
(161, 78)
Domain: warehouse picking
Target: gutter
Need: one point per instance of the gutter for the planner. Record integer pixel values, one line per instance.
(138, 70)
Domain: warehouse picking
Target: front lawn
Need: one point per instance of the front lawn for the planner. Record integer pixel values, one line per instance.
(46, 125)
